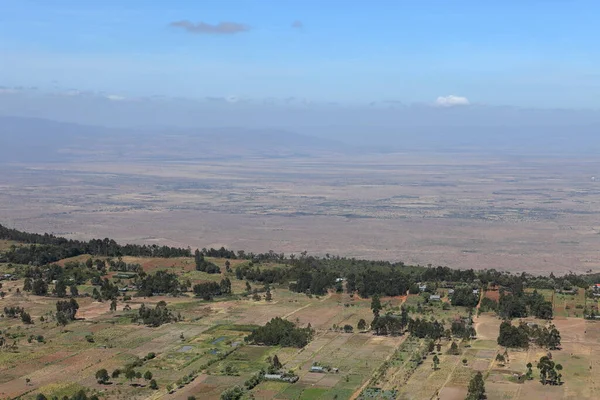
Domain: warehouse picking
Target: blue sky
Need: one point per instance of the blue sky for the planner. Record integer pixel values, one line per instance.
(522, 53)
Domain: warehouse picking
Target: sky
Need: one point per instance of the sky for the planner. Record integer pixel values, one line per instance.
(518, 53)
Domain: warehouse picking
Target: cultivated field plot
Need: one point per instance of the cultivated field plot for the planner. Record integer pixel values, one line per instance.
(202, 355)
(579, 357)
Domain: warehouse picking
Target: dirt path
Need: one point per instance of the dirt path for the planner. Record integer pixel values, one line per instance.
(305, 306)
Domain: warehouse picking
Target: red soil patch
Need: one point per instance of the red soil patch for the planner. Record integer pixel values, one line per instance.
(493, 295)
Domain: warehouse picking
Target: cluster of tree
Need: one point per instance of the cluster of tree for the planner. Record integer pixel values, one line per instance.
(254, 380)
(108, 290)
(522, 335)
(464, 296)
(255, 274)
(388, 324)
(462, 328)
(122, 266)
(66, 310)
(81, 395)
(155, 316)
(219, 253)
(203, 265)
(422, 328)
(39, 287)
(313, 282)
(207, 290)
(16, 312)
(549, 371)
(13, 312)
(233, 393)
(519, 304)
(393, 282)
(281, 332)
(130, 373)
(48, 248)
(488, 304)
(162, 282)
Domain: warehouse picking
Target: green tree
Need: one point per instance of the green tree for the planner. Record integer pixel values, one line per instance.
(74, 291)
(268, 295)
(376, 305)
(436, 362)
(26, 318)
(60, 288)
(476, 388)
(28, 286)
(454, 349)
(147, 375)
(61, 319)
(529, 373)
(153, 384)
(40, 287)
(40, 397)
(546, 367)
(102, 376)
(403, 318)
(276, 363)
(362, 325)
(113, 305)
(129, 374)
(559, 368)
(553, 338)
(430, 346)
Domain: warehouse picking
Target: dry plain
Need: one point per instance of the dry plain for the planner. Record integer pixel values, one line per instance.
(537, 214)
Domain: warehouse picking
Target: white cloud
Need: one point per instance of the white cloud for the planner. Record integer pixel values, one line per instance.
(115, 97)
(451, 101)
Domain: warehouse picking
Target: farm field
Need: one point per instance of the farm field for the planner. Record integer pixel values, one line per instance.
(203, 352)
(209, 339)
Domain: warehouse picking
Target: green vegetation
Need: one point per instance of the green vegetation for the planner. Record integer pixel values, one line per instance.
(476, 388)
(280, 332)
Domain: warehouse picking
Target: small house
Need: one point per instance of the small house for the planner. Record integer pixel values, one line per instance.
(475, 291)
(317, 368)
(273, 377)
(450, 291)
(435, 297)
(422, 287)
(596, 287)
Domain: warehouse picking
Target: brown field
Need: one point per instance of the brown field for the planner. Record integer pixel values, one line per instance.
(528, 214)
(67, 357)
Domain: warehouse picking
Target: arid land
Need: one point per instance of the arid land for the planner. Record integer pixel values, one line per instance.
(521, 214)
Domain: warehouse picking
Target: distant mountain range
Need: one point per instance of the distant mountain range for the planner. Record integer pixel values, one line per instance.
(28, 139)
(41, 140)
